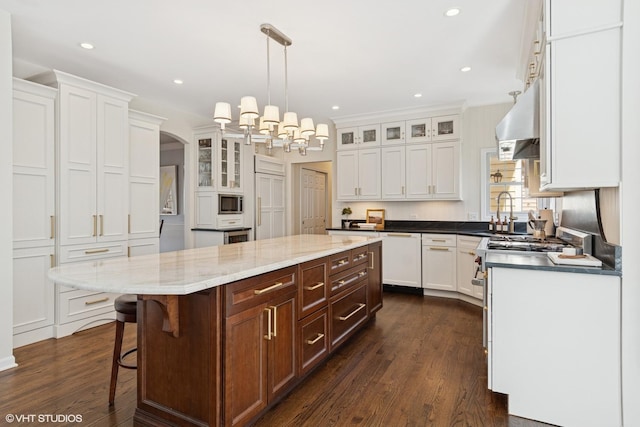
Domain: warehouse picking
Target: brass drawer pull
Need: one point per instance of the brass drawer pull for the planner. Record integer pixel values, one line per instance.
(360, 307)
(341, 282)
(102, 225)
(437, 248)
(439, 240)
(270, 288)
(53, 226)
(316, 339)
(398, 235)
(362, 274)
(98, 301)
(361, 256)
(472, 253)
(342, 262)
(96, 251)
(314, 287)
(95, 225)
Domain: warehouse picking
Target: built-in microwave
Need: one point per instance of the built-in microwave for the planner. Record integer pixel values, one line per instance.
(229, 204)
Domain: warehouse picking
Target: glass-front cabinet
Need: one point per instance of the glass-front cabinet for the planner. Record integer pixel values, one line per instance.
(205, 163)
(230, 165)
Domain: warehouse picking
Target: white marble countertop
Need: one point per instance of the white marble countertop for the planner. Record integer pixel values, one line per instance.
(192, 270)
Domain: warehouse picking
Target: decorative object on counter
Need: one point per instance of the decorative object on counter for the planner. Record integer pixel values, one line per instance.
(367, 225)
(497, 177)
(285, 133)
(376, 216)
(346, 211)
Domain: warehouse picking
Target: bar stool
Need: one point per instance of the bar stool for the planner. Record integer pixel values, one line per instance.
(126, 310)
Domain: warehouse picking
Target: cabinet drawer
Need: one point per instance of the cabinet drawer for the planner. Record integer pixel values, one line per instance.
(339, 262)
(439, 240)
(360, 255)
(257, 290)
(314, 339)
(78, 253)
(340, 282)
(76, 305)
(230, 221)
(312, 286)
(346, 313)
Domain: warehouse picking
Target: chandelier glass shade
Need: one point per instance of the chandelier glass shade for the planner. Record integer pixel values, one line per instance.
(287, 132)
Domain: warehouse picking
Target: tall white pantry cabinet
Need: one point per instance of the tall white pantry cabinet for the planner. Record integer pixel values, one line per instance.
(96, 199)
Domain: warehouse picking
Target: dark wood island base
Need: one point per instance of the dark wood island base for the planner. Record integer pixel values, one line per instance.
(225, 355)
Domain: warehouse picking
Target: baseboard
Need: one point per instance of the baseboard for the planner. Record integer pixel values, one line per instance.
(29, 337)
(8, 363)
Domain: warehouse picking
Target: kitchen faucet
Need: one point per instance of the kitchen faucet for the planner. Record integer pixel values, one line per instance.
(512, 218)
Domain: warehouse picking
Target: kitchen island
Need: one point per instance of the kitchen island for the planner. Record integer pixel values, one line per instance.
(224, 332)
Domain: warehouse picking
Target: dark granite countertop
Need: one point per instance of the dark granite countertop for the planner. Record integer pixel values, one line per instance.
(221, 230)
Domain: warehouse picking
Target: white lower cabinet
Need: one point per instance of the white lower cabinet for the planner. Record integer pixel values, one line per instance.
(439, 261)
(78, 309)
(553, 365)
(466, 266)
(401, 263)
(144, 246)
(203, 239)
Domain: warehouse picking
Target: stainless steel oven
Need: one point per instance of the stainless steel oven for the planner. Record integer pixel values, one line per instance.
(236, 236)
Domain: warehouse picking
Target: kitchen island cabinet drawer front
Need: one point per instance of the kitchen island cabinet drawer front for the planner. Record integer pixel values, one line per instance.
(314, 339)
(347, 312)
(312, 286)
(342, 281)
(340, 262)
(256, 290)
(359, 255)
(76, 305)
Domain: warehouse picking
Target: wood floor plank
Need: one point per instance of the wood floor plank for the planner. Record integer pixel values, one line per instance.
(420, 363)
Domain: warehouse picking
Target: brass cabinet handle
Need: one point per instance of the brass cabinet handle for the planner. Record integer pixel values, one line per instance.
(275, 320)
(129, 224)
(53, 226)
(399, 234)
(316, 339)
(102, 225)
(259, 210)
(268, 336)
(97, 301)
(362, 255)
(439, 240)
(270, 288)
(362, 273)
(314, 287)
(95, 225)
(472, 253)
(96, 251)
(342, 282)
(371, 267)
(342, 262)
(360, 307)
(51, 260)
(437, 248)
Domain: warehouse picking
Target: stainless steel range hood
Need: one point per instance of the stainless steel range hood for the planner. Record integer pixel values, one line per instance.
(518, 133)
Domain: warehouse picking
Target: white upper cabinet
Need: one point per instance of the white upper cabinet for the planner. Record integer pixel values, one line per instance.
(144, 161)
(33, 165)
(393, 133)
(441, 128)
(359, 137)
(433, 171)
(562, 19)
(393, 173)
(230, 164)
(359, 175)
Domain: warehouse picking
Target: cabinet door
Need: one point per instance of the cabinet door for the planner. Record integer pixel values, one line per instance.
(374, 297)
(466, 266)
(393, 172)
(112, 169)
(206, 209)
(393, 133)
(77, 156)
(445, 128)
(347, 138)
(283, 364)
(369, 180)
(245, 361)
(369, 136)
(33, 291)
(206, 162)
(401, 264)
(418, 130)
(270, 212)
(439, 267)
(33, 170)
(347, 185)
(144, 158)
(445, 170)
(418, 171)
(230, 165)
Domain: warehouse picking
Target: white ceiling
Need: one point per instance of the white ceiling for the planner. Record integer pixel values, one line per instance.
(362, 55)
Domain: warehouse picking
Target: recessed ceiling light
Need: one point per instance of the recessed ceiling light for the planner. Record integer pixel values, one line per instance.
(87, 46)
(178, 81)
(417, 95)
(335, 107)
(465, 69)
(452, 12)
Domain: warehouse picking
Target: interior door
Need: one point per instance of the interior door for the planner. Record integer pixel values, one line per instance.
(313, 201)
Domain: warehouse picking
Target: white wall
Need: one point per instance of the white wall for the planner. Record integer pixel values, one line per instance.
(630, 226)
(478, 131)
(6, 229)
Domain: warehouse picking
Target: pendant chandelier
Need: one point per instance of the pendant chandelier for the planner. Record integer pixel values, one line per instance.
(287, 133)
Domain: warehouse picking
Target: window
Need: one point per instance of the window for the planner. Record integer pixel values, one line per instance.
(499, 176)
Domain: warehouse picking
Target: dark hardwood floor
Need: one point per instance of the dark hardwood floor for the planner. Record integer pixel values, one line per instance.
(420, 363)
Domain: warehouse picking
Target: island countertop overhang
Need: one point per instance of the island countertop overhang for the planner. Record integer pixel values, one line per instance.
(193, 270)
